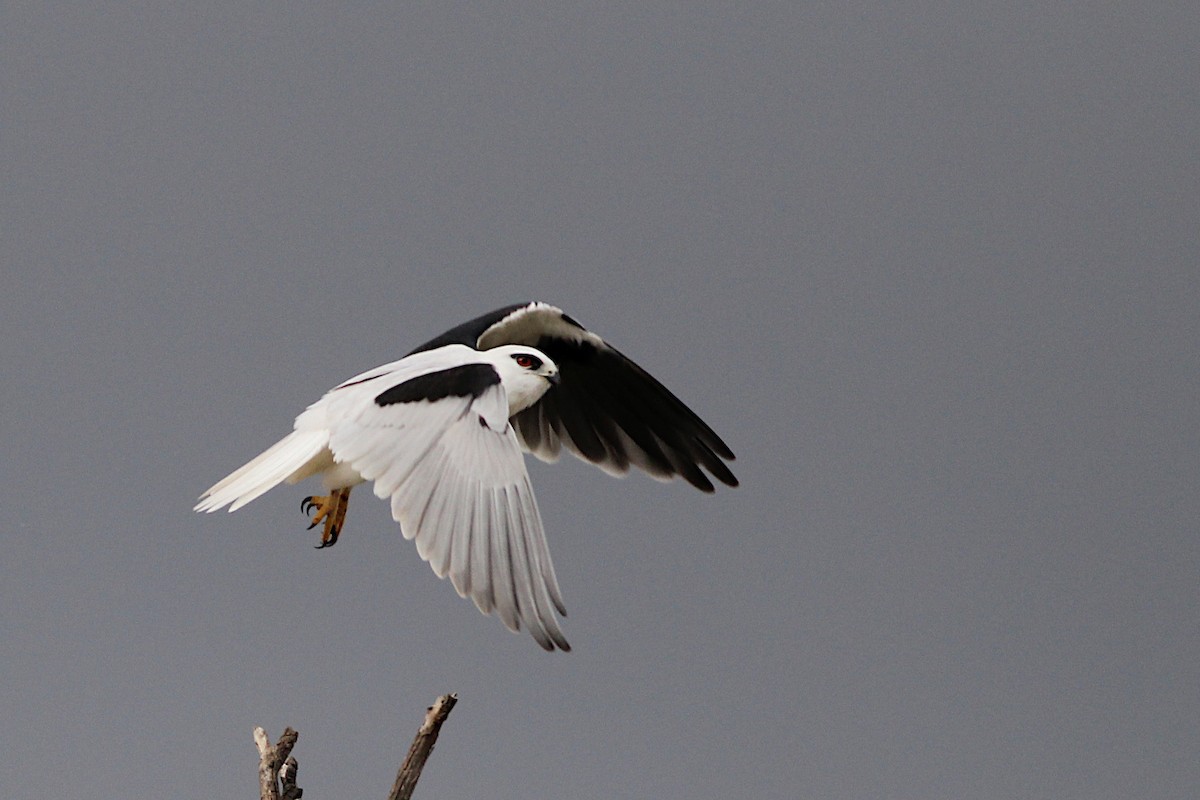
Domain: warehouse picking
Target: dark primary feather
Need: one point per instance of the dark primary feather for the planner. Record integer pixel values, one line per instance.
(607, 409)
(469, 332)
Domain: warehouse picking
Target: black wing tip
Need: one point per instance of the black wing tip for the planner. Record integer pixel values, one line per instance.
(700, 460)
(701, 481)
(726, 477)
(723, 474)
(721, 448)
(551, 641)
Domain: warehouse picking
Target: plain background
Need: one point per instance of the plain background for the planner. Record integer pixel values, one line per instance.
(929, 267)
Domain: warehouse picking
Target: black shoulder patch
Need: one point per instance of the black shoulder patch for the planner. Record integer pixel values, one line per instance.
(467, 380)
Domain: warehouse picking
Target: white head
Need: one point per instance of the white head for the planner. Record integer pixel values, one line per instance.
(526, 373)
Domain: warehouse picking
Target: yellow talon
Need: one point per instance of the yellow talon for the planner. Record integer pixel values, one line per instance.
(330, 509)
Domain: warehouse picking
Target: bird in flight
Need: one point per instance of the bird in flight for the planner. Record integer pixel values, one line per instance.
(440, 433)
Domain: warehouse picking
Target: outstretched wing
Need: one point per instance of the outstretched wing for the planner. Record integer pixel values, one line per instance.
(439, 446)
(607, 409)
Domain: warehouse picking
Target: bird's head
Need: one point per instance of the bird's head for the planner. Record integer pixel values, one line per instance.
(527, 374)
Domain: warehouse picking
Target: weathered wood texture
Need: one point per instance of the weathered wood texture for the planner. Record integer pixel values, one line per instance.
(272, 759)
(422, 746)
(277, 768)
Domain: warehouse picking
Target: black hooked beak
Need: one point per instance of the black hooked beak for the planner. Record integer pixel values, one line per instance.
(554, 378)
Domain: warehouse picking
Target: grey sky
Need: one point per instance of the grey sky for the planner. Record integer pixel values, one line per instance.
(929, 268)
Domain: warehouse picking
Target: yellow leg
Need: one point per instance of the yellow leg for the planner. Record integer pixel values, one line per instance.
(330, 509)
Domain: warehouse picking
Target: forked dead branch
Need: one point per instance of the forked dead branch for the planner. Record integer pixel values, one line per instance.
(277, 768)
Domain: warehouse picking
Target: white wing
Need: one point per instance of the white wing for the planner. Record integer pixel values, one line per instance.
(456, 478)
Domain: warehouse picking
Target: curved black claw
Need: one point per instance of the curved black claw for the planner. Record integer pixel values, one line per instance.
(333, 537)
(307, 505)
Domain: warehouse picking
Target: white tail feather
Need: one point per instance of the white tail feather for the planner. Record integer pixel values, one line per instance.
(267, 470)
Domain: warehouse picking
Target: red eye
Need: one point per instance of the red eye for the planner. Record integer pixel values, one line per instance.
(526, 361)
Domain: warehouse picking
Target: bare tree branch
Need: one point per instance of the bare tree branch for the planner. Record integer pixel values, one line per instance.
(271, 760)
(422, 746)
(277, 768)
